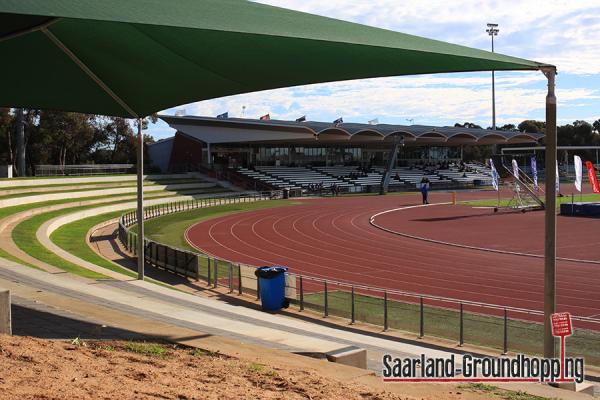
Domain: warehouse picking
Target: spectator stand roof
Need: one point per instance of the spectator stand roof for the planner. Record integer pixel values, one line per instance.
(235, 130)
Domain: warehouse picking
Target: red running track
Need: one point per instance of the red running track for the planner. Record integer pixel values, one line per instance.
(333, 238)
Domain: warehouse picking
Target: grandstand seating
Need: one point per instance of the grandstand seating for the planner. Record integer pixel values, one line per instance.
(300, 177)
(278, 183)
(351, 178)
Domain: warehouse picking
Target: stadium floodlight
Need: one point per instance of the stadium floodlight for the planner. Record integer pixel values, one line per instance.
(493, 30)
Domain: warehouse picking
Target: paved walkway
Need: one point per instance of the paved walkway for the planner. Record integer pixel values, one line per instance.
(214, 317)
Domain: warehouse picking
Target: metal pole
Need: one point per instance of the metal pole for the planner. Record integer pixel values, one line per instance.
(505, 331)
(550, 217)
(208, 270)
(421, 321)
(216, 270)
(301, 294)
(385, 311)
(326, 303)
(461, 340)
(230, 278)
(21, 167)
(140, 201)
(239, 279)
(493, 31)
(353, 315)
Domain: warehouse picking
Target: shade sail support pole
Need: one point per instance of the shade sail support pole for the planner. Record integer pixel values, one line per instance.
(392, 157)
(140, 201)
(550, 217)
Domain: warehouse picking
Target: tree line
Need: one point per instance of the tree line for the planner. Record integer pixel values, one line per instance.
(61, 138)
(577, 133)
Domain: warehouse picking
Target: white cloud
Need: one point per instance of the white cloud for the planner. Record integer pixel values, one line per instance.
(393, 99)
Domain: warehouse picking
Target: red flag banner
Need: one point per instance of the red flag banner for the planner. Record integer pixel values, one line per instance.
(592, 176)
(265, 117)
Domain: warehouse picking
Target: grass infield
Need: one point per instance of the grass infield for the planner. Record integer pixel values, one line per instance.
(479, 330)
(504, 201)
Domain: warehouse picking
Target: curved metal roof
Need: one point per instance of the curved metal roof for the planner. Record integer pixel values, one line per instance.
(311, 130)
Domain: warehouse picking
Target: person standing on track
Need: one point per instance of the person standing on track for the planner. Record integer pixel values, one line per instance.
(425, 189)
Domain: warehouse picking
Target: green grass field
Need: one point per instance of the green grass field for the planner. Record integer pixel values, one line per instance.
(72, 238)
(444, 323)
(24, 236)
(504, 201)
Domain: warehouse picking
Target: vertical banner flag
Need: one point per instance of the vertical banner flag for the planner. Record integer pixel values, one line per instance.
(592, 176)
(495, 180)
(515, 168)
(578, 172)
(338, 121)
(557, 184)
(225, 115)
(534, 172)
(265, 117)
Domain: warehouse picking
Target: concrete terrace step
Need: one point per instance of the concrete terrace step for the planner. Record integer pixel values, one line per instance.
(13, 201)
(14, 183)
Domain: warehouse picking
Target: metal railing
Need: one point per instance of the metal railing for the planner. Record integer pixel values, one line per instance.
(492, 325)
(83, 169)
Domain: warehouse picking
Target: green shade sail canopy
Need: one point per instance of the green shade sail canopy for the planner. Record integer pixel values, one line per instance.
(136, 57)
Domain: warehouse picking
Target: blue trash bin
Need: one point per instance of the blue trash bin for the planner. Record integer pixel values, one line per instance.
(271, 281)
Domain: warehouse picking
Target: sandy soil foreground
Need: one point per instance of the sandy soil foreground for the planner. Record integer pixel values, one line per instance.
(41, 369)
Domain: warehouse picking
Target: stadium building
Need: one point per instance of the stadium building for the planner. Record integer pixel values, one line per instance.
(281, 153)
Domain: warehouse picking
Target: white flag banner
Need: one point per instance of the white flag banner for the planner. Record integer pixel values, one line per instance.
(534, 172)
(578, 172)
(515, 168)
(557, 179)
(495, 178)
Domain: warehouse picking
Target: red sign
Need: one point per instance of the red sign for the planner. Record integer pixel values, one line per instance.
(561, 324)
(592, 176)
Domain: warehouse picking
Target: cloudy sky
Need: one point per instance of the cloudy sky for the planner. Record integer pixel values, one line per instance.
(565, 33)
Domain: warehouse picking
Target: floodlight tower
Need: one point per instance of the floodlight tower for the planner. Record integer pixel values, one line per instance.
(493, 30)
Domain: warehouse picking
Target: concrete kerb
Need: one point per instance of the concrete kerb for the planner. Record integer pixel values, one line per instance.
(5, 318)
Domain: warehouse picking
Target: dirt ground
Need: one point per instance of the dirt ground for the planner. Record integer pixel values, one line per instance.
(43, 369)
